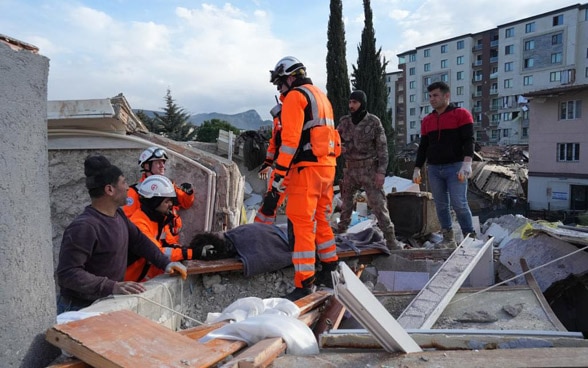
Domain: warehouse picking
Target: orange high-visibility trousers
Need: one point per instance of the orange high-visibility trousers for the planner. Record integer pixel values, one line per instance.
(310, 199)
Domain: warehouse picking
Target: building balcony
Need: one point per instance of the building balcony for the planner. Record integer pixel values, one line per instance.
(477, 109)
(477, 94)
(493, 91)
(494, 59)
(477, 63)
(478, 47)
(494, 43)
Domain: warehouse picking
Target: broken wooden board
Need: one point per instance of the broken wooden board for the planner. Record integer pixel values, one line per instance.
(430, 302)
(125, 339)
(197, 267)
(215, 350)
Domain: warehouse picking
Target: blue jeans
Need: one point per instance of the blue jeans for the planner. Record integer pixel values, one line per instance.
(447, 189)
(67, 304)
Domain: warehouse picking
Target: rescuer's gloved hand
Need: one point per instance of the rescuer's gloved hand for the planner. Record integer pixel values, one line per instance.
(278, 184)
(187, 187)
(270, 203)
(177, 267)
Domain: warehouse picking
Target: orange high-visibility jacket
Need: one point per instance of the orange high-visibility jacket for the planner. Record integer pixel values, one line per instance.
(153, 230)
(173, 229)
(304, 108)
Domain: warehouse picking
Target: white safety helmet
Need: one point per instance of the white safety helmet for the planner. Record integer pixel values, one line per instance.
(286, 66)
(157, 186)
(152, 154)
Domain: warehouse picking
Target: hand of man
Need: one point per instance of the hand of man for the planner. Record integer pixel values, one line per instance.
(177, 267)
(128, 287)
(187, 187)
(380, 178)
(278, 184)
(416, 175)
(466, 169)
(264, 171)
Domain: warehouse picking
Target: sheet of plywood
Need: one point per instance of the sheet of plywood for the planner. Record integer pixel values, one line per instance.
(125, 339)
(427, 306)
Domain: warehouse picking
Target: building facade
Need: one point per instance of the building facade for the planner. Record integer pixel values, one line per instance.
(490, 72)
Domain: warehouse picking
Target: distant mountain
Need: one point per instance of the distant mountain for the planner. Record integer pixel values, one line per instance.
(248, 120)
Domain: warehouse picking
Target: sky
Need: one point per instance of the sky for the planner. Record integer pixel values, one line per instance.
(215, 56)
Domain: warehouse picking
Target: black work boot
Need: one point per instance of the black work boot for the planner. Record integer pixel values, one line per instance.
(306, 289)
(323, 277)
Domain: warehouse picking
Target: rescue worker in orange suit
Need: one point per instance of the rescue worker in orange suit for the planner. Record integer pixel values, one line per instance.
(266, 214)
(310, 146)
(152, 162)
(156, 195)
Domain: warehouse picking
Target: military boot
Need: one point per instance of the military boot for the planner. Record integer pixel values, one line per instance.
(323, 277)
(448, 239)
(391, 242)
(306, 289)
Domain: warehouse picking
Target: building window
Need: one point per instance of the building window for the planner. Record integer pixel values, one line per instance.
(554, 76)
(508, 49)
(530, 27)
(444, 63)
(459, 60)
(524, 132)
(443, 49)
(412, 84)
(529, 45)
(568, 152)
(459, 91)
(412, 111)
(528, 80)
(412, 57)
(505, 133)
(508, 83)
(460, 45)
(427, 109)
(586, 72)
(557, 39)
(509, 32)
(508, 66)
(411, 98)
(428, 67)
(558, 20)
(412, 124)
(529, 62)
(556, 58)
(427, 52)
(570, 110)
(426, 96)
(495, 134)
(412, 71)
(459, 75)
(445, 77)
(428, 81)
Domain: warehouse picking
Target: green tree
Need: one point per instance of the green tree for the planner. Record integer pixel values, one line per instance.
(370, 77)
(175, 122)
(208, 131)
(149, 122)
(338, 86)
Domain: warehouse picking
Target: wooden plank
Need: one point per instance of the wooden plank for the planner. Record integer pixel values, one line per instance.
(534, 286)
(125, 339)
(70, 363)
(427, 306)
(211, 352)
(258, 355)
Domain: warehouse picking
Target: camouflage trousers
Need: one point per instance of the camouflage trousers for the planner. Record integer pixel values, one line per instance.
(358, 178)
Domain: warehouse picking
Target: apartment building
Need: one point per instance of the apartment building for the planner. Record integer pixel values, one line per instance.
(490, 72)
(558, 147)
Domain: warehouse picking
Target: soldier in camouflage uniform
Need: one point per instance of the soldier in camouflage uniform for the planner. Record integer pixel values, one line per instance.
(366, 158)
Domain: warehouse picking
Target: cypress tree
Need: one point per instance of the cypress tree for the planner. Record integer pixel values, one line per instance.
(370, 77)
(338, 86)
(175, 122)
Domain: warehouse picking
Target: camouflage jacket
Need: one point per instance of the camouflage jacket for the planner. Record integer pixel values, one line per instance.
(366, 140)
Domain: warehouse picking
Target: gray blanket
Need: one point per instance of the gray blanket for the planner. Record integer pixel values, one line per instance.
(261, 248)
(370, 238)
